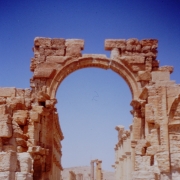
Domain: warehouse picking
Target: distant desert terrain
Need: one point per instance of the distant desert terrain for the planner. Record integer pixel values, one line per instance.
(85, 170)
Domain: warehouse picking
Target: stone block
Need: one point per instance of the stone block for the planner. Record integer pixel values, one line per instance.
(24, 176)
(153, 137)
(140, 147)
(32, 142)
(20, 92)
(58, 43)
(37, 150)
(17, 131)
(16, 102)
(41, 41)
(143, 175)
(27, 103)
(2, 100)
(144, 76)
(56, 59)
(49, 52)
(114, 43)
(7, 92)
(33, 131)
(173, 91)
(132, 41)
(163, 161)
(175, 161)
(25, 162)
(38, 109)
(34, 116)
(27, 93)
(142, 163)
(73, 51)
(160, 76)
(149, 42)
(21, 142)
(149, 113)
(5, 126)
(20, 116)
(8, 148)
(174, 139)
(166, 68)
(165, 176)
(133, 59)
(75, 42)
(7, 175)
(59, 52)
(175, 175)
(43, 73)
(21, 149)
(151, 151)
(3, 109)
(8, 161)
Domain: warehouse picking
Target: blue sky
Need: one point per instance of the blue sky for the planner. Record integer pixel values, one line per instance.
(90, 101)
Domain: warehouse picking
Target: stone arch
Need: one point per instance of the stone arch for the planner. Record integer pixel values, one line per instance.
(27, 114)
(174, 112)
(94, 61)
(174, 136)
(55, 59)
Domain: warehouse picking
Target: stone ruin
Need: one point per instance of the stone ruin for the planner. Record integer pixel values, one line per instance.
(99, 173)
(30, 133)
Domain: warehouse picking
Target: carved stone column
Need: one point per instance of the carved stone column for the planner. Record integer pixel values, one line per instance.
(137, 120)
(128, 166)
(133, 145)
(125, 149)
(124, 167)
(99, 170)
(92, 170)
(121, 167)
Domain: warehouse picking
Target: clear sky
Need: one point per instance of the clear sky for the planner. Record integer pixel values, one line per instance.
(91, 102)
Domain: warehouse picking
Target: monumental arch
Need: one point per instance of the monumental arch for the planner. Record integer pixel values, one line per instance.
(30, 133)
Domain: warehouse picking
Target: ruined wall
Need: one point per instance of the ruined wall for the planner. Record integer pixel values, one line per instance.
(27, 145)
(154, 136)
(30, 136)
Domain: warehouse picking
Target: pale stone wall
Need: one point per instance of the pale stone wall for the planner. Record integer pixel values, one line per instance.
(30, 137)
(30, 133)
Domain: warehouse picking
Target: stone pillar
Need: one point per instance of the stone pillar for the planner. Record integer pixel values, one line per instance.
(126, 149)
(124, 167)
(137, 120)
(99, 171)
(72, 175)
(133, 145)
(92, 170)
(79, 176)
(121, 167)
(128, 166)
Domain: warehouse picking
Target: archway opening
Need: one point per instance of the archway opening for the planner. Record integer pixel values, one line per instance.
(91, 102)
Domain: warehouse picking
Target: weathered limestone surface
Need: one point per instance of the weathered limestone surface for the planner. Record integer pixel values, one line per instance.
(30, 133)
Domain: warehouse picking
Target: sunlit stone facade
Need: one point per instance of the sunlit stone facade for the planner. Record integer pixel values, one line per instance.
(30, 133)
